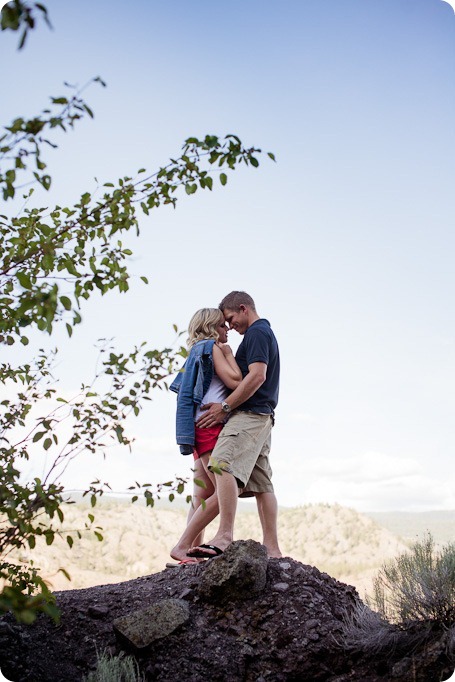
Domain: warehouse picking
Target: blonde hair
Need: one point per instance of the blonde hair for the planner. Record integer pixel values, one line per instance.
(203, 325)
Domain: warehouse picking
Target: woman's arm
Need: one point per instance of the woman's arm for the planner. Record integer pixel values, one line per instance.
(256, 376)
(226, 367)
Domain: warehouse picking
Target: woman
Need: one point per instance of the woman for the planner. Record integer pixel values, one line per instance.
(210, 373)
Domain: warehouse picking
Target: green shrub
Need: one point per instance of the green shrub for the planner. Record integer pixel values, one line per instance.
(115, 669)
(419, 585)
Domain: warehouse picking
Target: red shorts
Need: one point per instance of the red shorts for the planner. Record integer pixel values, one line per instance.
(205, 439)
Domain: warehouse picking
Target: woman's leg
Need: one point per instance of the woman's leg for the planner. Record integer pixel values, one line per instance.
(200, 492)
(200, 517)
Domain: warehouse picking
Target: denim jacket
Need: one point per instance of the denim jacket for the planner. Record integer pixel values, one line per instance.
(191, 384)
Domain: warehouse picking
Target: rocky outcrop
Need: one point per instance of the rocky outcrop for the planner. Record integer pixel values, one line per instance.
(237, 617)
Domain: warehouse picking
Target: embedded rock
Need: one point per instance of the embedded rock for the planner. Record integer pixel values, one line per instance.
(140, 628)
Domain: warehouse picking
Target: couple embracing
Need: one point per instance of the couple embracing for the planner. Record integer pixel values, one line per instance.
(225, 414)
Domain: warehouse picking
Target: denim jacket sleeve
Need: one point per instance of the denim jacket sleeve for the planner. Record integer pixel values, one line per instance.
(190, 385)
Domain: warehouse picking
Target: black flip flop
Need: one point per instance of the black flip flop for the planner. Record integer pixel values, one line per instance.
(199, 553)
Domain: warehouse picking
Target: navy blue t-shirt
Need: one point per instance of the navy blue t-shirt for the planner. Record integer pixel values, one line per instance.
(260, 345)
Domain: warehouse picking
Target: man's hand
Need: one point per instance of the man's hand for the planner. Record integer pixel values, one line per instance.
(213, 415)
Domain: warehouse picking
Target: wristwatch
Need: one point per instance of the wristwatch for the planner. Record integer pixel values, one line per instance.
(225, 407)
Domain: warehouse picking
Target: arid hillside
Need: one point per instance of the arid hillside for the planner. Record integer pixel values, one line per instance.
(345, 544)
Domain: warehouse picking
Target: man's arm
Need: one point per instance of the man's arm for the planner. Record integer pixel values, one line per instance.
(248, 386)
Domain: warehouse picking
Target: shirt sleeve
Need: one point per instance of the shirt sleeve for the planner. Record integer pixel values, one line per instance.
(257, 347)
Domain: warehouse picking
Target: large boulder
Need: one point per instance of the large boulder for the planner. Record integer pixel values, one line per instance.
(239, 573)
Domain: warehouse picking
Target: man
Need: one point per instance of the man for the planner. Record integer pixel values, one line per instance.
(242, 449)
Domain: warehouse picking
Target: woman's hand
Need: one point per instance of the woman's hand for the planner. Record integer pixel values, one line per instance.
(225, 348)
(225, 365)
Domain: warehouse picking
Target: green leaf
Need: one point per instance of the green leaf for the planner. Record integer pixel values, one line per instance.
(22, 40)
(47, 443)
(272, 156)
(66, 302)
(223, 178)
(24, 280)
(46, 181)
(70, 540)
(65, 573)
(38, 436)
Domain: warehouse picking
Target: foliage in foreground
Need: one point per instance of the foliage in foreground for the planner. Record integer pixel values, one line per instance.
(53, 260)
(416, 588)
(115, 669)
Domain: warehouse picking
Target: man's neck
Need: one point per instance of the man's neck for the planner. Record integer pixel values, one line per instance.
(252, 317)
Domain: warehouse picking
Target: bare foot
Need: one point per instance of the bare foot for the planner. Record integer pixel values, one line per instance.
(274, 555)
(179, 553)
(213, 548)
(273, 551)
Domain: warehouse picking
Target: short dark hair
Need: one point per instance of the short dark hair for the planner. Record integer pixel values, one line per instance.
(235, 299)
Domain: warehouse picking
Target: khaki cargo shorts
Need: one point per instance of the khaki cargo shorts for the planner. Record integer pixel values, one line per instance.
(243, 448)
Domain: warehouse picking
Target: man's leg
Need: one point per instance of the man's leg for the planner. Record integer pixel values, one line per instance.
(268, 515)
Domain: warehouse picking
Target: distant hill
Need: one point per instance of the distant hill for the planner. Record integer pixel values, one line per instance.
(413, 526)
(341, 542)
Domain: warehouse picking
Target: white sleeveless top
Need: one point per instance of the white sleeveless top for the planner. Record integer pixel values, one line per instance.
(216, 392)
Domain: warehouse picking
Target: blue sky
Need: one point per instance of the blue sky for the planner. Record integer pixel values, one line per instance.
(346, 243)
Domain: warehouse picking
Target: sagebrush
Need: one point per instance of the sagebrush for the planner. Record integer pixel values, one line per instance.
(413, 599)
